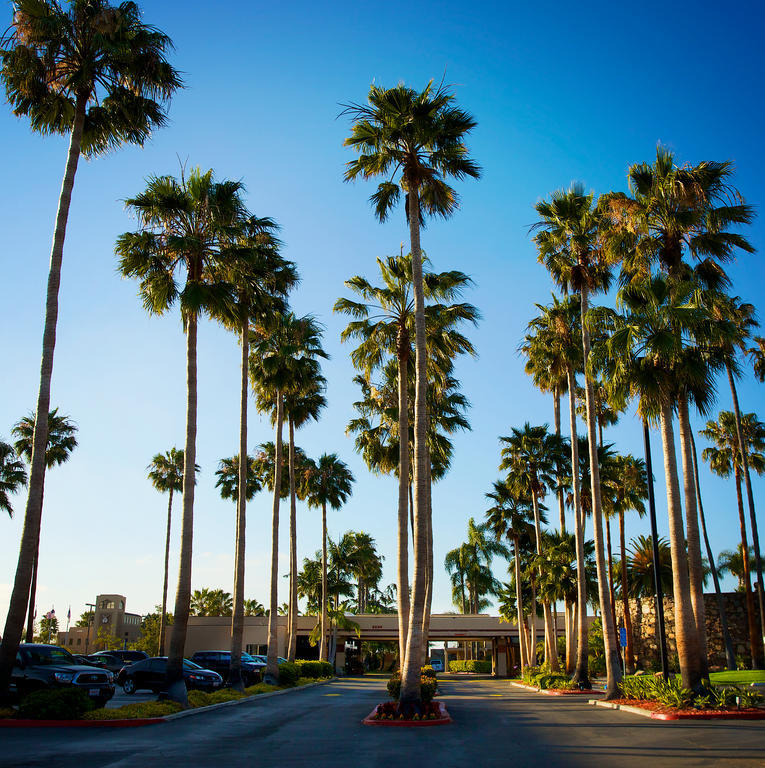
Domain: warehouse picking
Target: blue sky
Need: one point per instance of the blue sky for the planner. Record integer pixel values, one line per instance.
(560, 92)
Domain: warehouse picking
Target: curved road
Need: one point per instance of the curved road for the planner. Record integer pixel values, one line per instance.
(495, 724)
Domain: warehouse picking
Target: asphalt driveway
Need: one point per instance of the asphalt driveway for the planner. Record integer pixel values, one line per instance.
(494, 725)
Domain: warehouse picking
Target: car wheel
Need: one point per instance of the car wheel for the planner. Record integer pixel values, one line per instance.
(129, 686)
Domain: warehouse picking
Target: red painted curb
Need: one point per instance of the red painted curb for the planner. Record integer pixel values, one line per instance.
(709, 716)
(10, 723)
(445, 719)
(557, 692)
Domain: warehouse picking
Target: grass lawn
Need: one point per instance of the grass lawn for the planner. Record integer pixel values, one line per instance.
(738, 677)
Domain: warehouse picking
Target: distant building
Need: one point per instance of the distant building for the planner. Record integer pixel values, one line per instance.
(109, 616)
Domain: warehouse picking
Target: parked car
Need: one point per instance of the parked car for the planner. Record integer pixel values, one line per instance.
(40, 667)
(88, 661)
(220, 662)
(264, 659)
(151, 674)
(437, 664)
(114, 661)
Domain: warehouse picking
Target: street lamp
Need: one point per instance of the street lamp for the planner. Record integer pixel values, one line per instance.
(92, 617)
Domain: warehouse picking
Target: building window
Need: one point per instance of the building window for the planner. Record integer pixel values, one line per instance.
(71, 641)
(79, 641)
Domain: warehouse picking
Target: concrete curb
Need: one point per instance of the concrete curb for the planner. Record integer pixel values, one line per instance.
(140, 721)
(668, 716)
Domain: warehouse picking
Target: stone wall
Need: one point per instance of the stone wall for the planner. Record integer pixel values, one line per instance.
(643, 614)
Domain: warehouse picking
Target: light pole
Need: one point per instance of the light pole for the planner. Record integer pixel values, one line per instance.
(92, 606)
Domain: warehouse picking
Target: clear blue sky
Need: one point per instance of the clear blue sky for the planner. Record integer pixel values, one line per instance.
(560, 93)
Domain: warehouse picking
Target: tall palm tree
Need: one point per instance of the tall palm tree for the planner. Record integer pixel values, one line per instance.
(629, 490)
(94, 71)
(166, 474)
(61, 442)
(229, 481)
(732, 562)
(178, 255)
(384, 324)
(757, 353)
(735, 320)
(640, 565)
(416, 140)
(13, 476)
(260, 280)
(724, 457)
(512, 516)
(211, 602)
(532, 455)
(569, 243)
(282, 358)
(329, 482)
(640, 358)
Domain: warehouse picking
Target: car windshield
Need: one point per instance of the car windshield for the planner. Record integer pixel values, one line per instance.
(48, 655)
(247, 657)
(190, 665)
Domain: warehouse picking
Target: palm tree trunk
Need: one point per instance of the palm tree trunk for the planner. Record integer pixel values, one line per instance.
(519, 601)
(292, 620)
(572, 633)
(429, 584)
(730, 656)
(561, 501)
(30, 535)
(695, 566)
(237, 614)
(533, 626)
(685, 622)
(404, 490)
(272, 663)
(582, 672)
(755, 641)
(750, 500)
(176, 686)
(410, 678)
(32, 599)
(629, 653)
(613, 669)
(323, 645)
(162, 619)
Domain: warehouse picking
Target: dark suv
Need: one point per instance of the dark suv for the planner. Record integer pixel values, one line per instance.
(220, 661)
(114, 661)
(39, 667)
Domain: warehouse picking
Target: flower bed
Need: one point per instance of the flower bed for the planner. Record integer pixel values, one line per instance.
(433, 713)
(658, 711)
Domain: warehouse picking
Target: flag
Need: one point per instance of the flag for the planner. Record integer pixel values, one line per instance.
(51, 614)
(69, 613)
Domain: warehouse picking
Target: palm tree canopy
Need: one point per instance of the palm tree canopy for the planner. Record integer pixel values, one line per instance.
(757, 353)
(56, 56)
(534, 456)
(166, 470)
(211, 602)
(264, 462)
(13, 475)
(415, 136)
(228, 478)
(724, 455)
(62, 438)
(185, 225)
(328, 481)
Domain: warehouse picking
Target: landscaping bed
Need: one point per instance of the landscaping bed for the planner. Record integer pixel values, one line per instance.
(556, 691)
(657, 711)
(435, 713)
(152, 712)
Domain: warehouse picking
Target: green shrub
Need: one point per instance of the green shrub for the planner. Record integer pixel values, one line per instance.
(144, 709)
(314, 669)
(288, 674)
(669, 693)
(428, 687)
(6, 712)
(57, 704)
(203, 699)
(254, 690)
(428, 671)
(470, 665)
(551, 680)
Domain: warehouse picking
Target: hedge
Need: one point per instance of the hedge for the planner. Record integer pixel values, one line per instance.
(56, 704)
(470, 665)
(314, 669)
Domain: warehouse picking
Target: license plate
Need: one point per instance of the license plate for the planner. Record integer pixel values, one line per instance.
(215, 683)
(94, 692)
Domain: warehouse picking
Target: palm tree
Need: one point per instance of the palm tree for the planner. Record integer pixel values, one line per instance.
(641, 358)
(724, 458)
(384, 324)
(211, 602)
(532, 455)
(732, 562)
(757, 353)
(735, 321)
(570, 247)
(418, 138)
(13, 476)
(282, 359)
(328, 483)
(94, 71)
(512, 516)
(179, 255)
(166, 474)
(253, 608)
(640, 565)
(629, 487)
(61, 442)
(260, 280)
